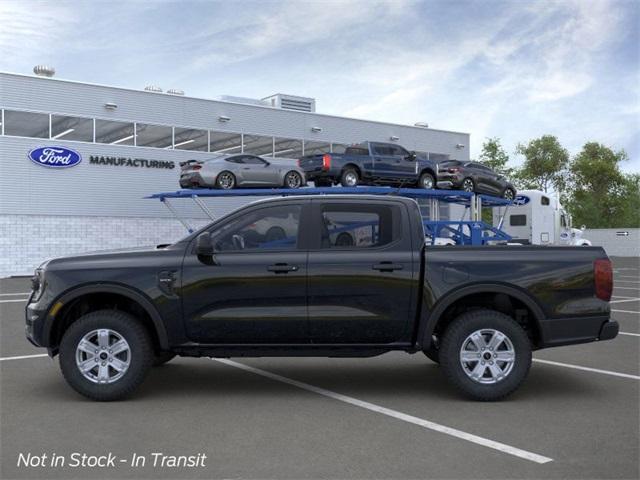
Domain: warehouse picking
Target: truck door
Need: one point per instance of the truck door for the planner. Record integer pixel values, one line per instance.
(404, 165)
(383, 160)
(360, 273)
(255, 291)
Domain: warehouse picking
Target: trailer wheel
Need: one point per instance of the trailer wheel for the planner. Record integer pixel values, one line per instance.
(485, 354)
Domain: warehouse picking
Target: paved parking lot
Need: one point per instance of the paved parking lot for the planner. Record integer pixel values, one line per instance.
(393, 416)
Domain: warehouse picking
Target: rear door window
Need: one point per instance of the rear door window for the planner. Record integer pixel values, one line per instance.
(359, 226)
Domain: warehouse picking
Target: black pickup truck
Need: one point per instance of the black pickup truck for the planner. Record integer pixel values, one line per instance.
(274, 279)
(371, 163)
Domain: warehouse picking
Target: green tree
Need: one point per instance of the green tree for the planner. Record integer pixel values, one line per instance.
(600, 195)
(494, 156)
(545, 164)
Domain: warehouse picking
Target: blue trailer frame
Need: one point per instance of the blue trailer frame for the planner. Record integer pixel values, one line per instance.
(462, 232)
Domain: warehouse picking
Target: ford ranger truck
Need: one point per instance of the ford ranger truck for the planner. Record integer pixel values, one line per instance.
(350, 276)
(371, 163)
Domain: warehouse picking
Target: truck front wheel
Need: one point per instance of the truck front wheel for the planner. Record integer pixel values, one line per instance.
(485, 354)
(105, 355)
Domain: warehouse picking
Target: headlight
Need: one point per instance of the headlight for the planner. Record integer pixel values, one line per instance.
(37, 284)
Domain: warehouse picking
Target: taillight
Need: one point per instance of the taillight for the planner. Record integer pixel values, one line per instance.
(326, 161)
(299, 162)
(196, 167)
(603, 276)
(453, 170)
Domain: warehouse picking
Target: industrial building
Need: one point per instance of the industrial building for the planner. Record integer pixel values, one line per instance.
(129, 144)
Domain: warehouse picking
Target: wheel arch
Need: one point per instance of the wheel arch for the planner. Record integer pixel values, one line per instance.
(354, 166)
(491, 293)
(430, 171)
(57, 321)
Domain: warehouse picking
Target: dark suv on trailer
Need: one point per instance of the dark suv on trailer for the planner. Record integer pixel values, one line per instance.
(474, 177)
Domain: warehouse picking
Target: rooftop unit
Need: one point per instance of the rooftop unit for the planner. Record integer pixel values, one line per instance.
(291, 102)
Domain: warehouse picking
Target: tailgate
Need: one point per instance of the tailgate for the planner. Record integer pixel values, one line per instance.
(311, 163)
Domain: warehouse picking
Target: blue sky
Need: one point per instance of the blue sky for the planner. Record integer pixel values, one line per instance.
(515, 70)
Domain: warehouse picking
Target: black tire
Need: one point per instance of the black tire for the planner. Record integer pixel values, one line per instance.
(140, 351)
(225, 180)
(345, 239)
(347, 177)
(275, 234)
(161, 358)
(427, 181)
(468, 185)
(432, 353)
(455, 338)
(508, 194)
(289, 184)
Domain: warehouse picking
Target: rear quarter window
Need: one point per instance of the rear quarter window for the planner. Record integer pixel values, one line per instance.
(517, 220)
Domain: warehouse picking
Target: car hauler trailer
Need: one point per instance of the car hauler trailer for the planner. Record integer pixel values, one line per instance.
(438, 232)
(537, 218)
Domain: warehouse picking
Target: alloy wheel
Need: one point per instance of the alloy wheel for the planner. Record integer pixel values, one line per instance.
(467, 185)
(487, 356)
(226, 180)
(508, 194)
(293, 180)
(427, 182)
(103, 356)
(351, 179)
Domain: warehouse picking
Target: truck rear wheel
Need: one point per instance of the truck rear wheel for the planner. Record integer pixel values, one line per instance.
(485, 354)
(105, 355)
(349, 178)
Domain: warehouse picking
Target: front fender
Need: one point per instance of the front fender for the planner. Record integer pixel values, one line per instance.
(136, 296)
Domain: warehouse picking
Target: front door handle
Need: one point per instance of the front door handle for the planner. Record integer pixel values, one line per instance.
(282, 268)
(387, 266)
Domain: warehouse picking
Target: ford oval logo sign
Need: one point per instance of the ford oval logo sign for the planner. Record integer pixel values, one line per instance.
(55, 157)
(521, 200)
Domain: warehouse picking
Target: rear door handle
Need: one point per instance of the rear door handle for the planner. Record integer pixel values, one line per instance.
(282, 268)
(387, 266)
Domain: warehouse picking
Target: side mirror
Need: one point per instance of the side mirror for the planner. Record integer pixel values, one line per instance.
(266, 164)
(204, 248)
(412, 156)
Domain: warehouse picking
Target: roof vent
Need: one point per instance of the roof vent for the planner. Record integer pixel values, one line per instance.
(44, 71)
(292, 102)
(153, 88)
(175, 91)
(421, 124)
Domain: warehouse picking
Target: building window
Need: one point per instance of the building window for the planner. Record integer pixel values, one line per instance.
(258, 145)
(315, 148)
(225, 142)
(114, 133)
(190, 139)
(71, 128)
(287, 148)
(157, 136)
(26, 124)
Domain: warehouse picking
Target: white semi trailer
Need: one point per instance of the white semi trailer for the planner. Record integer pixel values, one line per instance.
(538, 218)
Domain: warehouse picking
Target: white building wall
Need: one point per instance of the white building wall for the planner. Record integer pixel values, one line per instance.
(617, 242)
(28, 240)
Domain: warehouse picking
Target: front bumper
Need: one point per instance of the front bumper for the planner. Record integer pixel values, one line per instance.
(34, 324)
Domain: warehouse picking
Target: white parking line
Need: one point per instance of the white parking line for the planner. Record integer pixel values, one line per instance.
(485, 442)
(615, 287)
(626, 299)
(14, 294)
(630, 334)
(22, 357)
(625, 311)
(14, 300)
(587, 369)
(626, 281)
(635, 277)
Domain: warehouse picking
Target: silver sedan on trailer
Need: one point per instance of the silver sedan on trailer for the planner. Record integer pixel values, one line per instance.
(241, 170)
